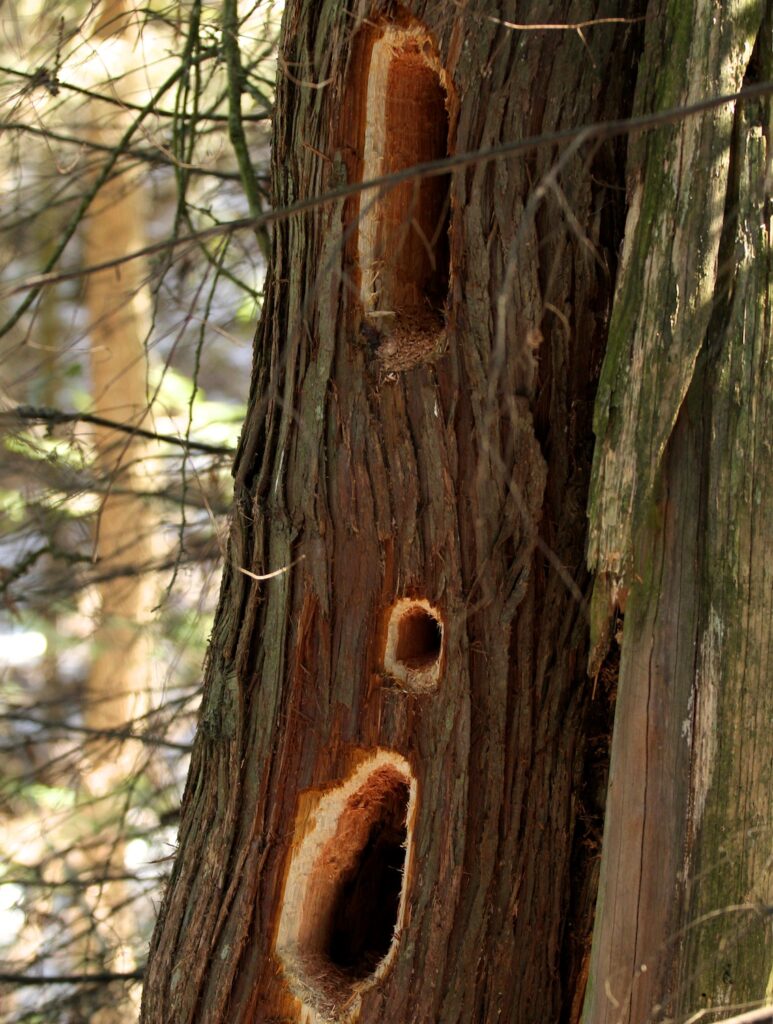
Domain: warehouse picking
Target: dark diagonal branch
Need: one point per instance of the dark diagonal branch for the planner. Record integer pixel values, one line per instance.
(35, 414)
(97, 978)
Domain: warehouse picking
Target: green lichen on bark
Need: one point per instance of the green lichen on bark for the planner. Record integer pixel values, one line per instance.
(677, 180)
(729, 947)
(681, 521)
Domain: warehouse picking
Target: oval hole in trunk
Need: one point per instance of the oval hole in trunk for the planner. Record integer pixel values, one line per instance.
(344, 898)
(414, 644)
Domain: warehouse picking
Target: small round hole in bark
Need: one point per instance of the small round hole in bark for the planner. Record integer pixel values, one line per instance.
(344, 897)
(419, 638)
(414, 643)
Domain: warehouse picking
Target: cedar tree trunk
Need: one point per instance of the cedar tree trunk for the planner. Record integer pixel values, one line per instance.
(396, 796)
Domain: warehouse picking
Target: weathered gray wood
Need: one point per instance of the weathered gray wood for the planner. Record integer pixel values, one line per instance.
(680, 534)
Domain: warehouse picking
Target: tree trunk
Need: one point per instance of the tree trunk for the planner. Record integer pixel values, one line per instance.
(118, 688)
(395, 799)
(118, 304)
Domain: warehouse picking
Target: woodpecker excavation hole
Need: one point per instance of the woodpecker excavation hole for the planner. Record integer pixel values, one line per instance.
(367, 900)
(419, 637)
(414, 643)
(344, 898)
(403, 244)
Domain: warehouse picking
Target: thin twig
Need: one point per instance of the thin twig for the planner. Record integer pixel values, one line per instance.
(152, 156)
(762, 1015)
(235, 74)
(37, 414)
(70, 229)
(559, 26)
(97, 978)
(34, 79)
(85, 730)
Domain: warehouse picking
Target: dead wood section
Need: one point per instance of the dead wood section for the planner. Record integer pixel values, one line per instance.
(681, 535)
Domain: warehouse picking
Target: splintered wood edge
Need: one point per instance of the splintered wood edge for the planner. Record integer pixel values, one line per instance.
(386, 48)
(419, 679)
(325, 995)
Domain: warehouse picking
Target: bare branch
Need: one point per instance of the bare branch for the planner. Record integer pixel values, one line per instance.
(97, 978)
(110, 734)
(38, 79)
(152, 156)
(35, 414)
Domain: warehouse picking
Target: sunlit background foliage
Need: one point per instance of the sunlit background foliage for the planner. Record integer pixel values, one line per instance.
(182, 157)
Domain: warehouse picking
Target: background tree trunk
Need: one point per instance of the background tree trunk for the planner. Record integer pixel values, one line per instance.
(118, 303)
(119, 683)
(396, 451)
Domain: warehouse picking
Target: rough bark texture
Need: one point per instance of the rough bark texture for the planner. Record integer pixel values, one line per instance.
(681, 537)
(434, 482)
(457, 473)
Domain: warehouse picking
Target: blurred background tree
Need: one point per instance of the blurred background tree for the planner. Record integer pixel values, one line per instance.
(133, 159)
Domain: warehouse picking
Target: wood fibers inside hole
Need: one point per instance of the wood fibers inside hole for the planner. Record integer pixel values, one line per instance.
(344, 899)
(403, 244)
(419, 637)
(414, 643)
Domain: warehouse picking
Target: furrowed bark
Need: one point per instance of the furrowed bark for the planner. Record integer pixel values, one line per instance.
(436, 459)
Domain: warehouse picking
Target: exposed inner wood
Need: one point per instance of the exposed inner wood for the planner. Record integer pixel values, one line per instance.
(367, 901)
(419, 637)
(345, 891)
(403, 232)
(414, 643)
